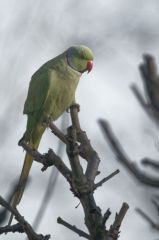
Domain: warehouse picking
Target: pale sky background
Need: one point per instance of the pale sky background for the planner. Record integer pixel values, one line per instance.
(119, 32)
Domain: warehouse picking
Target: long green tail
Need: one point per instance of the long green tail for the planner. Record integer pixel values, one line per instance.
(24, 176)
(22, 183)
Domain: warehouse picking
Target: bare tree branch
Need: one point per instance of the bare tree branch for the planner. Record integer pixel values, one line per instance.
(14, 228)
(150, 79)
(25, 225)
(113, 233)
(124, 159)
(148, 219)
(148, 107)
(73, 228)
(82, 184)
(85, 149)
(106, 216)
(156, 204)
(48, 159)
(57, 132)
(151, 163)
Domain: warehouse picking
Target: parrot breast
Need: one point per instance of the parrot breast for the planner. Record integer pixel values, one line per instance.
(61, 94)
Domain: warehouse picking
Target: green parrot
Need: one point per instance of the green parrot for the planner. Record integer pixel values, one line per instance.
(51, 92)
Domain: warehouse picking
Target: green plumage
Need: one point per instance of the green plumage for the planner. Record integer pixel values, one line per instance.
(51, 91)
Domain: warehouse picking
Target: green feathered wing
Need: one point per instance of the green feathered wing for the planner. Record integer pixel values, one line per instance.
(37, 95)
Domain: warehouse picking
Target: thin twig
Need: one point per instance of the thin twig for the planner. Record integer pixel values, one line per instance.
(73, 228)
(100, 183)
(139, 97)
(150, 79)
(57, 132)
(148, 107)
(106, 216)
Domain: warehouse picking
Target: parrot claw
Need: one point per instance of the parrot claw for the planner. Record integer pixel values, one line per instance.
(21, 140)
(46, 122)
(77, 106)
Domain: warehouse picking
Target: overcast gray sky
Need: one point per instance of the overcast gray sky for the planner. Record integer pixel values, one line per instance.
(119, 32)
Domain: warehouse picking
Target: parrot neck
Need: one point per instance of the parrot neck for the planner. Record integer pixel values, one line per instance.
(70, 64)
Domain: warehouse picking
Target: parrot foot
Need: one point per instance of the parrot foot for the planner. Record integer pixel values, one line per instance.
(46, 121)
(77, 106)
(21, 140)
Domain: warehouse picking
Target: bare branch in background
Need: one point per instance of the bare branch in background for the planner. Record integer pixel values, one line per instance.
(150, 79)
(156, 203)
(148, 107)
(148, 219)
(150, 163)
(124, 159)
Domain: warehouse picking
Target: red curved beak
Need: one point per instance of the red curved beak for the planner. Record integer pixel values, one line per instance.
(89, 66)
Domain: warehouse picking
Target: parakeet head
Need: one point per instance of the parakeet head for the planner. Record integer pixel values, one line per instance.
(80, 58)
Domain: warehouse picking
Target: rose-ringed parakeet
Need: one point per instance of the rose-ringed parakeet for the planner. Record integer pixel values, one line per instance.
(51, 92)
